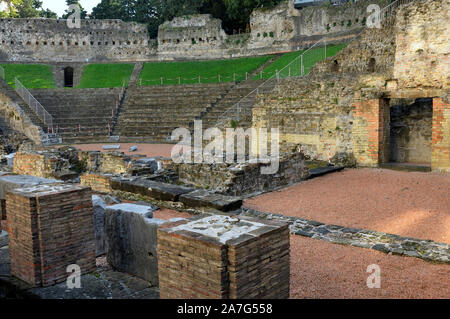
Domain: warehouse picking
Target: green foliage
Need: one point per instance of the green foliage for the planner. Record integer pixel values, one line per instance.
(26, 9)
(328, 28)
(349, 23)
(233, 124)
(235, 14)
(265, 35)
(83, 13)
(189, 71)
(363, 22)
(105, 75)
(271, 34)
(32, 76)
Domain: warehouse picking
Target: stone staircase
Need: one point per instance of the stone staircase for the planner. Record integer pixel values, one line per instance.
(11, 93)
(212, 114)
(80, 115)
(151, 113)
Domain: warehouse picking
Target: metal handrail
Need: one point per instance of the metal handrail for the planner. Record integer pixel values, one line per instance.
(389, 10)
(34, 104)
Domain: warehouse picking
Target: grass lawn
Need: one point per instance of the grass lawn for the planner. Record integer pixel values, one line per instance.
(105, 75)
(188, 72)
(32, 76)
(310, 58)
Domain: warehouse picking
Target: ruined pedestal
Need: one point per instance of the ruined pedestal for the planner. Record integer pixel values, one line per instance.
(51, 227)
(10, 182)
(131, 240)
(224, 257)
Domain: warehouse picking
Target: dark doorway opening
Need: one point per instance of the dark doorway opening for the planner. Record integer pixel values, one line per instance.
(68, 77)
(410, 131)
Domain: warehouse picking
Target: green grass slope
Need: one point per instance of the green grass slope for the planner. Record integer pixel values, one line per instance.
(105, 75)
(32, 76)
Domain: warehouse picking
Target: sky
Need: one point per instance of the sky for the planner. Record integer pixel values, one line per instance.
(59, 6)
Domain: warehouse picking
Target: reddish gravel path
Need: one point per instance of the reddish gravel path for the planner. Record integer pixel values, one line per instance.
(323, 270)
(411, 204)
(150, 150)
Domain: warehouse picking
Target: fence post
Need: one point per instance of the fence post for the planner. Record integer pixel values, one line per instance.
(246, 75)
(179, 80)
(199, 80)
(325, 49)
(219, 77)
(278, 75)
(289, 71)
(234, 77)
(161, 81)
(261, 74)
(301, 65)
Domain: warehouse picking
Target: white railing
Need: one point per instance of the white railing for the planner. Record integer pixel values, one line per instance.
(34, 104)
(239, 107)
(2, 73)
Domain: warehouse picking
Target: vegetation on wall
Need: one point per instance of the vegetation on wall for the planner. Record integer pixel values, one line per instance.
(26, 9)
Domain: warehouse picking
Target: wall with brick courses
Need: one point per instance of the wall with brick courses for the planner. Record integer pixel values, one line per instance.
(50, 228)
(251, 265)
(440, 145)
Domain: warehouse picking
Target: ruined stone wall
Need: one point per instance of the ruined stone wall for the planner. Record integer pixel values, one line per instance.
(243, 179)
(15, 118)
(422, 40)
(194, 35)
(49, 40)
(313, 114)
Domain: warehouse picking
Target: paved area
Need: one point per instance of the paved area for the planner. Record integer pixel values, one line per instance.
(323, 270)
(410, 204)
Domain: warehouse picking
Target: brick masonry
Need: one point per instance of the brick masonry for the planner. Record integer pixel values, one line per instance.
(371, 131)
(440, 145)
(50, 228)
(241, 258)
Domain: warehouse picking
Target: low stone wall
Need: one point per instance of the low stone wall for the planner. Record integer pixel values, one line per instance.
(243, 179)
(15, 117)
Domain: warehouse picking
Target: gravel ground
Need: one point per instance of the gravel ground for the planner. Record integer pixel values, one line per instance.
(323, 270)
(411, 204)
(150, 150)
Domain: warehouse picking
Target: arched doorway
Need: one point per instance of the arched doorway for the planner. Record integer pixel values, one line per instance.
(68, 77)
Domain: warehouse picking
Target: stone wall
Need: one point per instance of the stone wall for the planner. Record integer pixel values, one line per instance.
(190, 37)
(243, 179)
(422, 39)
(15, 118)
(46, 40)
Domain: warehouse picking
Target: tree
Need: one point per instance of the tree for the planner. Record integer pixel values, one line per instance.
(68, 13)
(28, 8)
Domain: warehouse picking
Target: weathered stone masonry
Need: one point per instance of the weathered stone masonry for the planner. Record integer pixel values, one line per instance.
(440, 145)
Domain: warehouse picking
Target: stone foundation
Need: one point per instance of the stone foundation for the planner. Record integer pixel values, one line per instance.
(50, 228)
(224, 257)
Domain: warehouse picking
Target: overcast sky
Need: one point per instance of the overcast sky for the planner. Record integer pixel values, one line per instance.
(59, 6)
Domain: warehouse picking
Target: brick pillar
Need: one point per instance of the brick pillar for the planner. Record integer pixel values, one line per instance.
(440, 144)
(50, 228)
(371, 131)
(224, 257)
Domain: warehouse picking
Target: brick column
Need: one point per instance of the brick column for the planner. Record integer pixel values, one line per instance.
(371, 131)
(440, 144)
(50, 228)
(224, 257)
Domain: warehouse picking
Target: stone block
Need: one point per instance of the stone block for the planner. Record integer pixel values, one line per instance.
(99, 207)
(131, 240)
(156, 190)
(203, 198)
